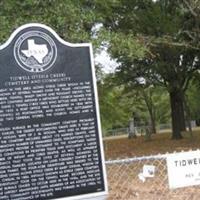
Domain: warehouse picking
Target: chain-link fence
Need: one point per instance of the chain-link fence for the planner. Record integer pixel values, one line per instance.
(126, 182)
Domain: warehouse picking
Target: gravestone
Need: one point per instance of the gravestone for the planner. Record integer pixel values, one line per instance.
(132, 129)
(50, 137)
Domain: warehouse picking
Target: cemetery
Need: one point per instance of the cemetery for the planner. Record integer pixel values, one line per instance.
(99, 100)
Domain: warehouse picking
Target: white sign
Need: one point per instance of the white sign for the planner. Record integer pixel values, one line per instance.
(148, 172)
(183, 169)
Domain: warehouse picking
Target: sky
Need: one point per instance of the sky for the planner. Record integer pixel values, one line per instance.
(107, 63)
(103, 57)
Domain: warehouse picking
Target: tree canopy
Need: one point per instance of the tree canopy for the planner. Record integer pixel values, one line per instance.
(73, 20)
(150, 40)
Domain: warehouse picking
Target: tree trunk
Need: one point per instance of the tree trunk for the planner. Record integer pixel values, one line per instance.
(188, 116)
(153, 122)
(176, 102)
(181, 112)
(151, 111)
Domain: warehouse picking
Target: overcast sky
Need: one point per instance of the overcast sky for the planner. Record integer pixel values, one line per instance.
(107, 63)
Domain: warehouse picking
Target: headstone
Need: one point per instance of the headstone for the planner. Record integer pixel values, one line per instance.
(132, 131)
(50, 137)
(193, 123)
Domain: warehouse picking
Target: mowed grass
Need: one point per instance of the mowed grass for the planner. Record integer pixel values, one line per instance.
(117, 148)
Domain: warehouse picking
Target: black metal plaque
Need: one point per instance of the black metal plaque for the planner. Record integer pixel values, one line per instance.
(50, 138)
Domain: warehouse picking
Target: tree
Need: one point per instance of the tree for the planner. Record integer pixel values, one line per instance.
(115, 108)
(149, 103)
(176, 66)
(148, 41)
(73, 20)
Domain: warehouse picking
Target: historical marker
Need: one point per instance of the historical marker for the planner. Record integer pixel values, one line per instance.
(50, 138)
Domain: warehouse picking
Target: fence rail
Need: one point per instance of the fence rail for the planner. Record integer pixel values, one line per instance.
(140, 130)
(115, 132)
(126, 182)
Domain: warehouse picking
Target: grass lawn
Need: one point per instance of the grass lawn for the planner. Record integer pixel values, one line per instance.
(159, 144)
